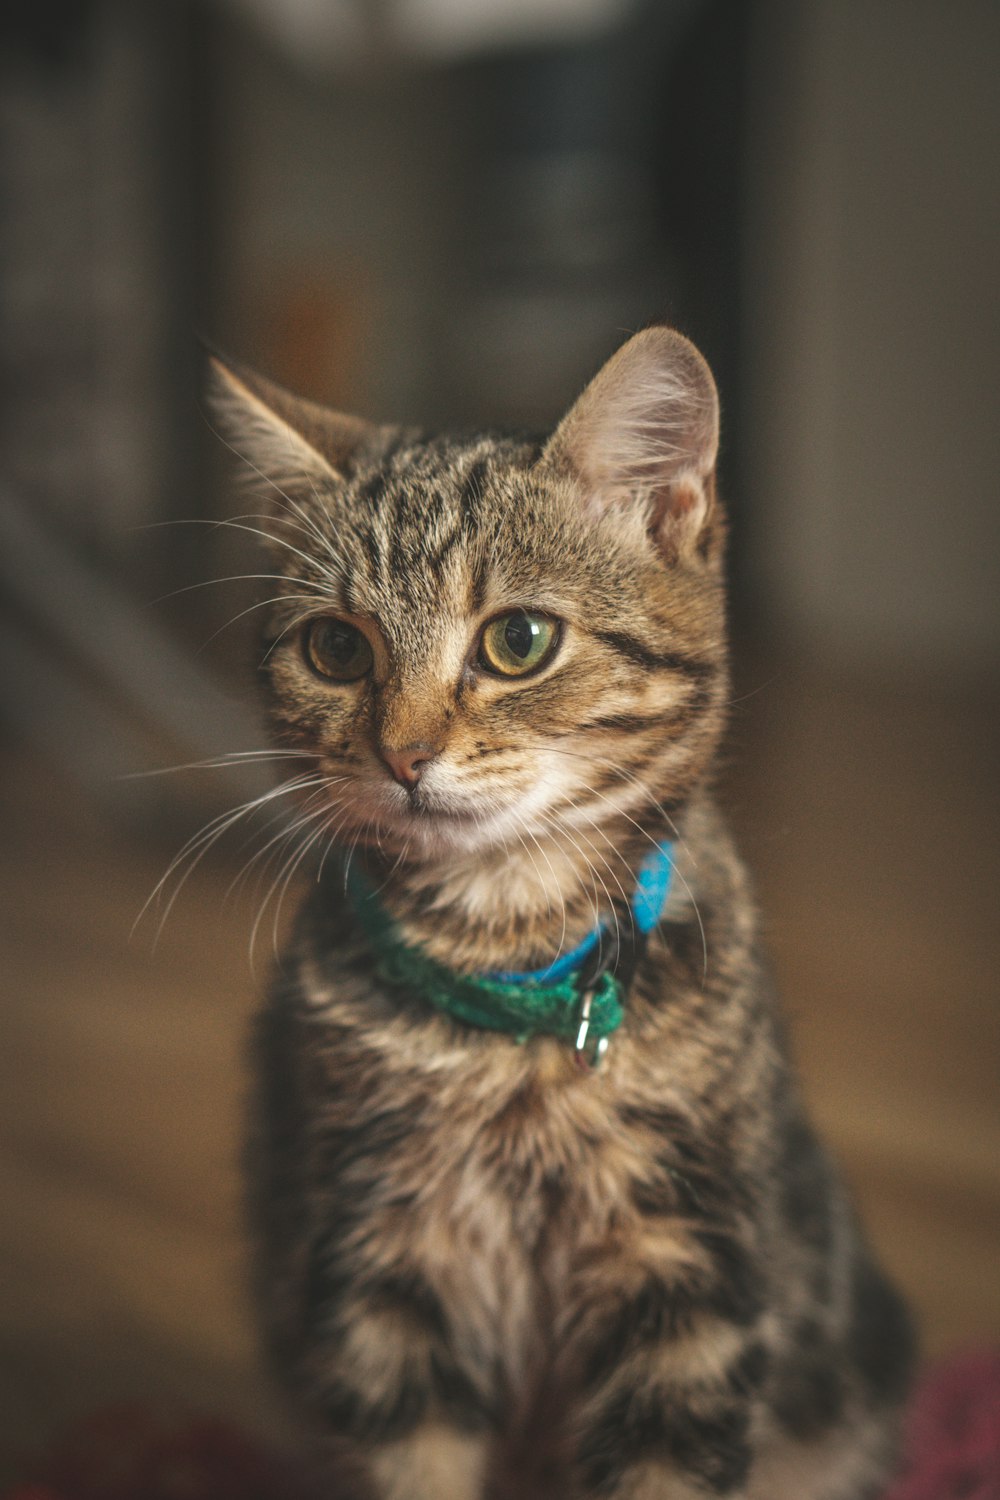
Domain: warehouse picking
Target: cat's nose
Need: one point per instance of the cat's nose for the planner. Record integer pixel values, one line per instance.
(407, 763)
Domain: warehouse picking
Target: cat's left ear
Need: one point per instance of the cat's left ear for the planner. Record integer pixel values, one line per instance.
(645, 433)
(282, 437)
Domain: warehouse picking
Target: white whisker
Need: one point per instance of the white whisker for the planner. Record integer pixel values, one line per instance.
(623, 813)
(233, 759)
(196, 847)
(319, 798)
(597, 878)
(286, 872)
(593, 823)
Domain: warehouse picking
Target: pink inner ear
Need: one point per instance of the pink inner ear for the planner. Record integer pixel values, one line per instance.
(684, 497)
(680, 513)
(645, 432)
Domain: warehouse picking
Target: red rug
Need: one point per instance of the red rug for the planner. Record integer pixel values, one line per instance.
(953, 1433)
(952, 1452)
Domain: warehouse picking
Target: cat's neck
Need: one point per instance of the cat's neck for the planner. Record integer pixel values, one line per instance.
(522, 906)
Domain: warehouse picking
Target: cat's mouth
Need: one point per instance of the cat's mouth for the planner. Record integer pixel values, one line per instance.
(435, 814)
(426, 808)
(422, 818)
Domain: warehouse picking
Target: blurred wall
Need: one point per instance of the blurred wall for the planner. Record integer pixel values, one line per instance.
(453, 235)
(458, 238)
(95, 252)
(873, 347)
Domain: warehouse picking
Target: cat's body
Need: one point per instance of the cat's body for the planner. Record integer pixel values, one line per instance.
(487, 1270)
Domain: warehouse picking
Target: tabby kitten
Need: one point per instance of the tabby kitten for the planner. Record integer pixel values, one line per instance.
(493, 1260)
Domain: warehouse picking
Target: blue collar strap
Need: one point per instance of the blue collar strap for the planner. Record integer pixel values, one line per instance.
(649, 898)
(579, 997)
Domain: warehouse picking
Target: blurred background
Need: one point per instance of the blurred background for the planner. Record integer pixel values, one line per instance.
(450, 213)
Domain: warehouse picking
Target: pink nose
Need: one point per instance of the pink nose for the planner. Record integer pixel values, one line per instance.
(408, 763)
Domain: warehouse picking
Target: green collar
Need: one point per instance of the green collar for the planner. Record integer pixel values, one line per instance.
(578, 998)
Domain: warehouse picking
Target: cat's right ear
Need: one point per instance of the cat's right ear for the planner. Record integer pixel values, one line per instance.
(642, 441)
(281, 438)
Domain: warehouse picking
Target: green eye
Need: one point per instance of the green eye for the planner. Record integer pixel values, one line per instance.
(336, 649)
(515, 644)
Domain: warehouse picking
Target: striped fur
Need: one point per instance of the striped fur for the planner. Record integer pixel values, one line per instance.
(483, 1272)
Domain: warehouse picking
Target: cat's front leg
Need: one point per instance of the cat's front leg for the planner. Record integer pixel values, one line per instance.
(380, 1372)
(423, 1454)
(641, 1441)
(667, 1370)
(435, 1461)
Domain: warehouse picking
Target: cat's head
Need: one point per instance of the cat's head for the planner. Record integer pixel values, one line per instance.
(487, 640)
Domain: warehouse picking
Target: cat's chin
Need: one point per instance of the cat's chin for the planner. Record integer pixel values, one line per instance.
(439, 819)
(433, 834)
(426, 832)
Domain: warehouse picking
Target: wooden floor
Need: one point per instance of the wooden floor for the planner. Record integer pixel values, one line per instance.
(870, 818)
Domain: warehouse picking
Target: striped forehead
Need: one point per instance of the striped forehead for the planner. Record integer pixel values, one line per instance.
(407, 525)
(416, 538)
